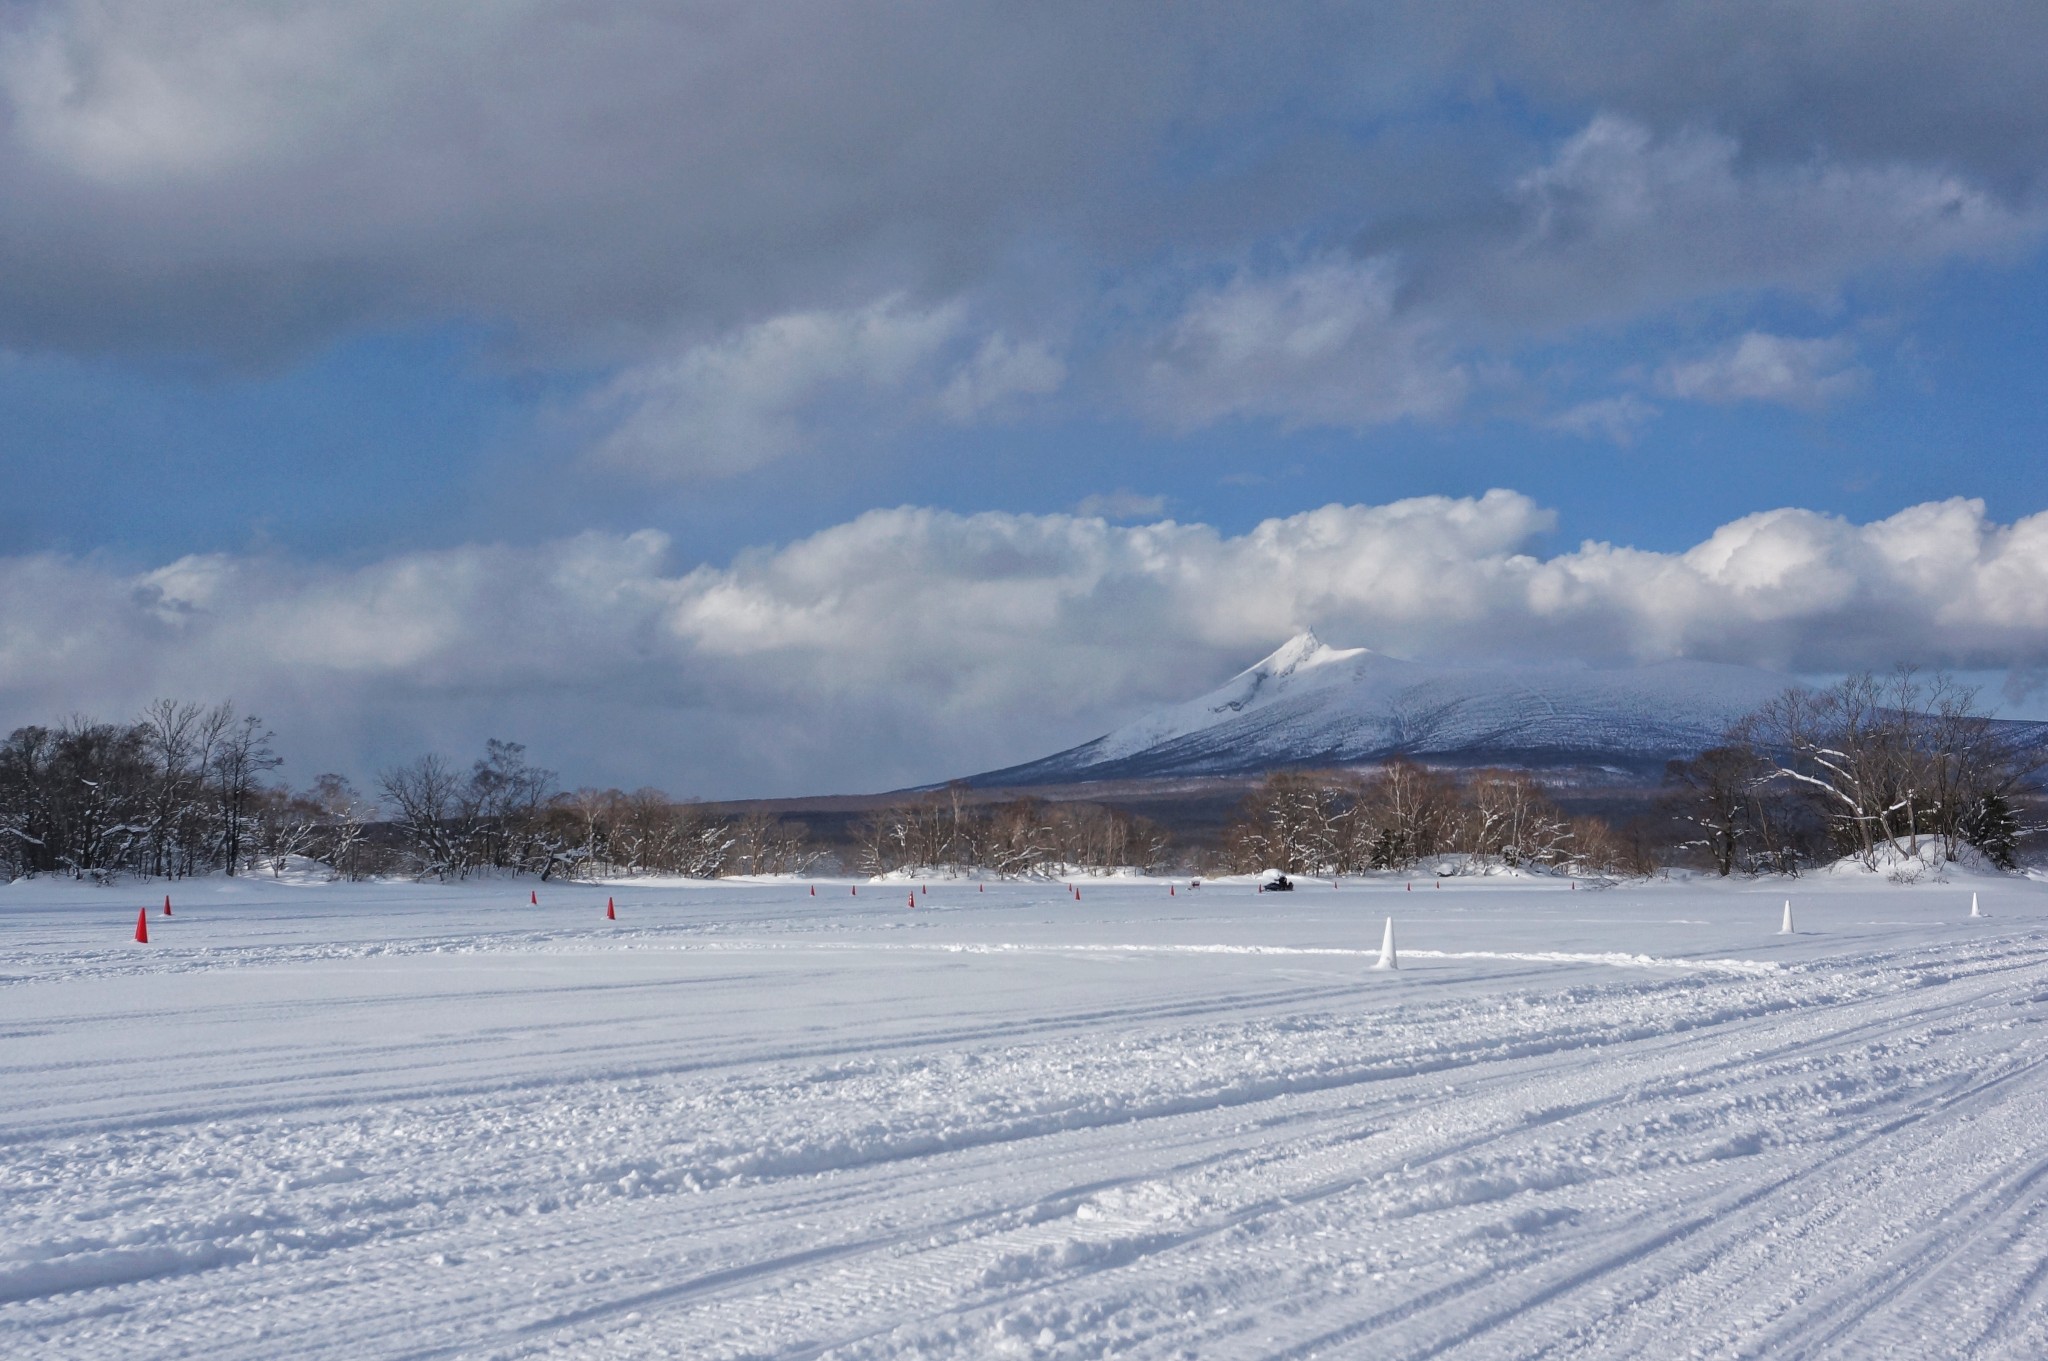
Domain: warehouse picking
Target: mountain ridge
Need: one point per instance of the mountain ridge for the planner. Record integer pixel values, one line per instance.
(1308, 704)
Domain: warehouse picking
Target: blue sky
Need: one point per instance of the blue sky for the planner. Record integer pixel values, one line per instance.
(390, 441)
(298, 303)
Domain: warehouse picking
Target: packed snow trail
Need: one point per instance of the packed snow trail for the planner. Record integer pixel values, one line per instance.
(402, 1121)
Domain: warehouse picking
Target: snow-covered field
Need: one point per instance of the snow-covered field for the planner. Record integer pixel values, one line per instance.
(406, 1121)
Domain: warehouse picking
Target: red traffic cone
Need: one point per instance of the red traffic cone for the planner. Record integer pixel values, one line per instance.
(924, 888)
(981, 888)
(814, 890)
(142, 926)
(1411, 885)
(1170, 892)
(167, 904)
(534, 897)
(913, 900)
(854, 889)
(611, 914)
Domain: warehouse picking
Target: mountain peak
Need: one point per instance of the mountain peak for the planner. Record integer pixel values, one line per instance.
(1299, 653)
(1308, 704)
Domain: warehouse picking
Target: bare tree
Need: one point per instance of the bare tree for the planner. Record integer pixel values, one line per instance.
(1407, 812)
(1512, 819)
(1722, 797)
(345, 817)
(287, 825)
(1294, 822)
(241, 756)
(423, 799)
(1889, 761)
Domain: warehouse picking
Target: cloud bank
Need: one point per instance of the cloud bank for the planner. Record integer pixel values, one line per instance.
(739, 221)
(911, 645)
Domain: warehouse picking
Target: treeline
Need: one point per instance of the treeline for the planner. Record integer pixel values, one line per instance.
(1865, 765)
(1854, 769)
(509, 816)
(177, 792)
(946, 831)
(1405, 814)
(182, 791)
(506, 815)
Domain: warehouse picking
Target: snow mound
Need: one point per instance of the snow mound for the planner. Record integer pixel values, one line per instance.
(1904, 862)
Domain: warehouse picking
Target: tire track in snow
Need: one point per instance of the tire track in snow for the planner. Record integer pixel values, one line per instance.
(1243, 1184)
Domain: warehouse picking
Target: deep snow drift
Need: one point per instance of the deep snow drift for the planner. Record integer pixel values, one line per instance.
(404, 1121)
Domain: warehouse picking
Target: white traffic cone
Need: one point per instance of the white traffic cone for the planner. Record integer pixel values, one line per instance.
(1786, 929)
(1388, 959)
(1973, 906)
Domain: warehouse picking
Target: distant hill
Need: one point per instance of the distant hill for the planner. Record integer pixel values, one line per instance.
(1311, 705)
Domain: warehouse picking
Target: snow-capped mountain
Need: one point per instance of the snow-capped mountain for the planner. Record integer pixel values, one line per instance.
(1312, 705)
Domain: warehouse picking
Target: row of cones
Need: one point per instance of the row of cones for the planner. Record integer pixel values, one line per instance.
(611, 913)
(1388, 958)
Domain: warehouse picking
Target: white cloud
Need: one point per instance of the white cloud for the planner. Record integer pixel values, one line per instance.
(762, 394)
(1623, 223)
(735, 404)
(1758, 367)
(1616, 419)
(1325, 344)
(910, 645)
(1001, 371)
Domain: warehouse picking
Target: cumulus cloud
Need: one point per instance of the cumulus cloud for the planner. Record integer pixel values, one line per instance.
(910, 645)
(1001, 372)
(1623, 222)
(1757, 367)
(1326, 344)
(730, 405)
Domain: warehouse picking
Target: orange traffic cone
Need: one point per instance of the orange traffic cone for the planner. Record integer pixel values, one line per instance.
(611, 913)
(142, 926)
(167, 904)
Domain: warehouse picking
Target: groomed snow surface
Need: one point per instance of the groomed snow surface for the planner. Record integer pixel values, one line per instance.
(318, 1120)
